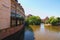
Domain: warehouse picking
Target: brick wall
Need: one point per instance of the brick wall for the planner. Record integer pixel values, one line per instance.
(9, 31)
(5, 13)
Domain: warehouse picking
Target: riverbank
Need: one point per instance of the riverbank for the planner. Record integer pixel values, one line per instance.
(47, 24)
(50, 25)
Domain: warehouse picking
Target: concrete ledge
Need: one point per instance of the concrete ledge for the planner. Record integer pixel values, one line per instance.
(47, 24)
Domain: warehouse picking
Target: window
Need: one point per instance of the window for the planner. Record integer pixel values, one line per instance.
(13, 10)
(15, 19)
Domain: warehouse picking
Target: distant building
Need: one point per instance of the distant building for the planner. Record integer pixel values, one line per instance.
(44, 20)
(28, 15)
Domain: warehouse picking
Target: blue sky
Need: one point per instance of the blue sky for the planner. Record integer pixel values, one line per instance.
(41, 8)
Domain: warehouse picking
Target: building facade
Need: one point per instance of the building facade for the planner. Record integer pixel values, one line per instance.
(18, 11)
(12, 17)
(5, 9)
(11, 13)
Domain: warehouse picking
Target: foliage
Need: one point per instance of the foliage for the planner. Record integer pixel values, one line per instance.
(58, 18)
(33, 20)
(49, 20)
(53, 20)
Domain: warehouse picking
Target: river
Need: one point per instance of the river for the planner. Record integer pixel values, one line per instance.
(41, 32)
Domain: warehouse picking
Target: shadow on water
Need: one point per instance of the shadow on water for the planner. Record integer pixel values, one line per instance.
(28, 35)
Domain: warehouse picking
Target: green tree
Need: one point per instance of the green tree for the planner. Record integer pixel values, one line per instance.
(50, 19)
(34, 20)
(58, 18)
(54, 21)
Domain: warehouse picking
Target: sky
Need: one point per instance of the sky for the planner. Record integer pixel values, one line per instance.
(41, 8)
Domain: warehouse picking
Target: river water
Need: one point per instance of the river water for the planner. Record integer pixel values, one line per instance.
(41, 32)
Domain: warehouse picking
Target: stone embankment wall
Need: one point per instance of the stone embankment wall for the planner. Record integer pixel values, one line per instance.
(9, 31)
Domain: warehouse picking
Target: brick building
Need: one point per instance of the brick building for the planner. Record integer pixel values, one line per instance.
(5, 9)
(17, 12)
(11, 17)
(10, 13)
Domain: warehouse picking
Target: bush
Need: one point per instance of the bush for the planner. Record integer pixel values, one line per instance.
(34, 20)
(54, 21)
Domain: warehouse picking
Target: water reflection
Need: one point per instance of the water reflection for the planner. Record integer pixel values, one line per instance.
(29, 35)
(35, 27)
(36, 30)
(53, 28)
(41, 32)
(44, 33)
(42, 29)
